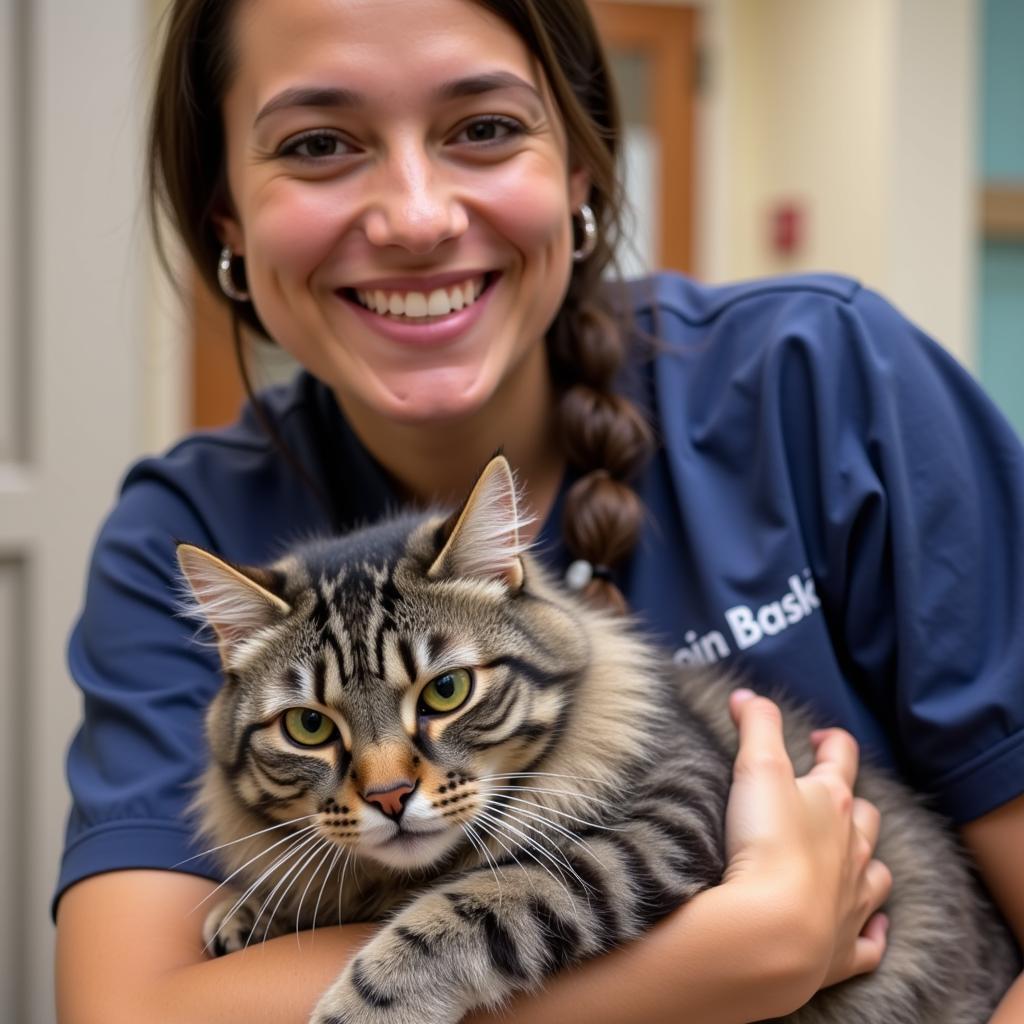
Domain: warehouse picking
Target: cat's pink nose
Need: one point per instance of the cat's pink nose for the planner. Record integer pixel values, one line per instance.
(391, 798)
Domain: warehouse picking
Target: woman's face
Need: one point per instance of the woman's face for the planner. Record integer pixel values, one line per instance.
(402, 197)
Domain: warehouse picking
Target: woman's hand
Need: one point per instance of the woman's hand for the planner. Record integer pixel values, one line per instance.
(806, 844)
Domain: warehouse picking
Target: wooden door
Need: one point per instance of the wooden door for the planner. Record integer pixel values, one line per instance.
(653, 51)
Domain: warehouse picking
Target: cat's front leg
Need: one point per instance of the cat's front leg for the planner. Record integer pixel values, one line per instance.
(471, 943)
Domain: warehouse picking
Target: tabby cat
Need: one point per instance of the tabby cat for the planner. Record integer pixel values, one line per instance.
(417, 723)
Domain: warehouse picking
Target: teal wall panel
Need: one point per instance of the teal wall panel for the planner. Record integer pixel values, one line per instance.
(1000, 362)
(1002, 86)
(1001, 358)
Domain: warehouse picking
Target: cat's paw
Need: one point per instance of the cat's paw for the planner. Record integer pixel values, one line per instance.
(363, 995)
(225, 931)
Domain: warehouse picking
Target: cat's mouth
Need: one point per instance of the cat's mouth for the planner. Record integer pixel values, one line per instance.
(406, 848)
(405, 836)
(408, 838)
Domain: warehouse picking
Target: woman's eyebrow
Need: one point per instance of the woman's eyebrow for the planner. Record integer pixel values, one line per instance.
(309, 96)
(321, 96)
(491, 81)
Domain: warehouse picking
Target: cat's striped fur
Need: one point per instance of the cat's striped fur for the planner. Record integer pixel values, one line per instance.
(575, 797)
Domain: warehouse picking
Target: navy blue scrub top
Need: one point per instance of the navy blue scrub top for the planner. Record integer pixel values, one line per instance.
(835, 509)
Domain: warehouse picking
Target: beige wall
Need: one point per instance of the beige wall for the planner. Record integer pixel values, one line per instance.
(929, 220)
(863, 112)
(809, 82)
(72, 253)
(167, 353)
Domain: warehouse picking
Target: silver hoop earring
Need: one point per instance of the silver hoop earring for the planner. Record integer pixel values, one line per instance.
(226, 279)
(589, 225)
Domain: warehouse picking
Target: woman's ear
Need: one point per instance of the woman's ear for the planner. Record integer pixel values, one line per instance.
(229, 231)
(579, 188)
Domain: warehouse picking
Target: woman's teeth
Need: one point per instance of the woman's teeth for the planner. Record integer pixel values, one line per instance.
(417, 305)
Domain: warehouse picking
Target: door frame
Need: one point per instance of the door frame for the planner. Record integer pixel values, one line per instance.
(666, 36)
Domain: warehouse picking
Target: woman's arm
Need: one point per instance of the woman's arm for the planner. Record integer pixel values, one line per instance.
(130, 949)
(786, 921)
(143, 961)
(997, 841)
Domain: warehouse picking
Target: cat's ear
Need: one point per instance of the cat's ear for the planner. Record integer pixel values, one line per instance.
(235, 602)
(485, 541)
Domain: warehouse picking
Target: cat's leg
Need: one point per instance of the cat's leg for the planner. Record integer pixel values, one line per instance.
(490, 933)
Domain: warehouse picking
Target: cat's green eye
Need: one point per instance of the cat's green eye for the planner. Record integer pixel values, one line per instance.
(446, 692)
(307, 727)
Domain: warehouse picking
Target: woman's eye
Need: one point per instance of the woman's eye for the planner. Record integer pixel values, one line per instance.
(488, 129)
(307, 727)
(446, 693)
(316, 146)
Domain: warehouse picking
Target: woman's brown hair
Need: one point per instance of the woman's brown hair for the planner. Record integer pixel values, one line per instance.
(604, 435)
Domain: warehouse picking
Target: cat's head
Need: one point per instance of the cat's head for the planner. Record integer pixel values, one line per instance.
(392, 684)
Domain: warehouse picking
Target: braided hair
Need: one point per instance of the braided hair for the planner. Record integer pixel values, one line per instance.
(604, 436)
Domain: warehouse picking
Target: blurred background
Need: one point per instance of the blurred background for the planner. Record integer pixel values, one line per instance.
(880, 138)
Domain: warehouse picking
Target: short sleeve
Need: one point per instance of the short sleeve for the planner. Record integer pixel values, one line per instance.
(919, 544)
(145, 679)
(145, 683)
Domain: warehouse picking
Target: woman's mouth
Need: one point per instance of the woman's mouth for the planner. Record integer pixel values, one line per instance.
(427, 316)
(421, 305)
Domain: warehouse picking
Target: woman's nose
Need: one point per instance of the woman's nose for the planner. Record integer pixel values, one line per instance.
(414, 206)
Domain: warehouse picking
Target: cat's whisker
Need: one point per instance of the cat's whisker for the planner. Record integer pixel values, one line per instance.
(266, 873)
(496, 836)
(356, 875)
(531, 789)
(481, 847)
(560, 829)
(290, 853)
(587, 888)
(505, 812)
(494, 829)
(251, 860)
(473, 840)
(514, 812)
(557, 793)
(500, 817)
(533, 775)
(329, 844)
(323, 885)
(341, 883)
(298, 855)
(297, 873)
(558, 861)
(535, 813)
(242, 839)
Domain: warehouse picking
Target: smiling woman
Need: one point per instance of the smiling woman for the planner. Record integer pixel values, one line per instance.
(343, 179)
(418, 200)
